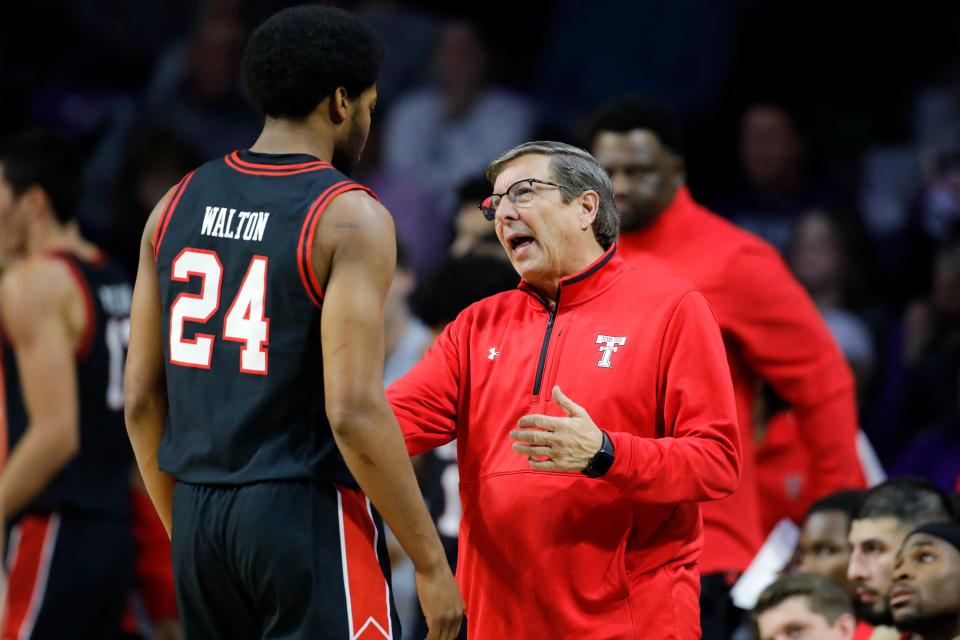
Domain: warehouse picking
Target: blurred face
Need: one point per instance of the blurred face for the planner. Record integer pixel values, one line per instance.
(12, 221)
(471, 227)
(816, 253)
(461, 60)
(769, 146)
(823, 548)
(353, 137)
(946, 284)
(874, 543)
(792, 619)
(926, 584)
(644, 173)
(544, 238)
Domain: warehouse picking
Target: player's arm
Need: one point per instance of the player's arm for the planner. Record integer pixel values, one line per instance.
(144, 381)
(786, 341)
(355, 250)
(36, 296)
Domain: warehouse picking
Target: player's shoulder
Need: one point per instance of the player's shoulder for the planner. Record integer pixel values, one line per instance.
(34, 284)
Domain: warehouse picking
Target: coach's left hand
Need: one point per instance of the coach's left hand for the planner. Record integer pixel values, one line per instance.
(564, 444)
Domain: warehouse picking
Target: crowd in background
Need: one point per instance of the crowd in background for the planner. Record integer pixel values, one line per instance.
(844, 153)
(846, 158)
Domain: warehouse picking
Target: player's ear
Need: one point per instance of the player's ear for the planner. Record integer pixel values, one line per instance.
(339, 106)
(35, 199)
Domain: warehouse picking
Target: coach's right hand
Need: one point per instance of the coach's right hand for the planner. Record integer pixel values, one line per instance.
(441, 602)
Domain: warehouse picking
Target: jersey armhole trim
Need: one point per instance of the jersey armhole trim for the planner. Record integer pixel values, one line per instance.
(86, 341)
(167, 214)
(305, 246)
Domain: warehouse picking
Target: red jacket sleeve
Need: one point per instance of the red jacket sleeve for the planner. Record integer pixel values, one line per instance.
(785, 340)
(699, 457)
(425, 399)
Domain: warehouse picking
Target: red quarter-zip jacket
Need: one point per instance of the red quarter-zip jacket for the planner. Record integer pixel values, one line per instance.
(774, 333)
(560, 555)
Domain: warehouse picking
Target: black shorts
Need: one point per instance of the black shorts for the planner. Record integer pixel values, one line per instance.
(281, 560)
(69, 576)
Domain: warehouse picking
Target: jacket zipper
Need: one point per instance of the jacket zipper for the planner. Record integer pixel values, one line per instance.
(546, 342)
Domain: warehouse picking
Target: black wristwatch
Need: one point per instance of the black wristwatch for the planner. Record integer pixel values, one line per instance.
(601, 462)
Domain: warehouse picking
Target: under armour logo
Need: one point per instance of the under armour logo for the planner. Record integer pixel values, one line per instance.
(493, 353)
(609, 347)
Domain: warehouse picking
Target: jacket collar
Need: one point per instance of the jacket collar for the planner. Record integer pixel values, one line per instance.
(589, 283)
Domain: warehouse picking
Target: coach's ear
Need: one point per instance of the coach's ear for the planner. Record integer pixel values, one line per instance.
(339, 106)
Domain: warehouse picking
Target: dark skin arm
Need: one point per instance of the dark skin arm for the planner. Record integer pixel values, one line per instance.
(355, 255)
(144, 382)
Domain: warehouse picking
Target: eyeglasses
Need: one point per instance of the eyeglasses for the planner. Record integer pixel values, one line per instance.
(519, 193)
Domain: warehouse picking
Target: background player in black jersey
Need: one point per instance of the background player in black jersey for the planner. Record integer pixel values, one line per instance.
(64, 314)
(246, 405)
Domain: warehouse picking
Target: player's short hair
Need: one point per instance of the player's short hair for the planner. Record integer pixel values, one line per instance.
(823, 597)
(575, 171)
(846, 502)
(629, 114)
(49, 161)
(300, 56)
(911, 500)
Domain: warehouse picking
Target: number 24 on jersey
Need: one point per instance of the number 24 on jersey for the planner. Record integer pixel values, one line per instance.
(244, 321)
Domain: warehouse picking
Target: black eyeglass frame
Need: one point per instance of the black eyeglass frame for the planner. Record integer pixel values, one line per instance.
(490, 212)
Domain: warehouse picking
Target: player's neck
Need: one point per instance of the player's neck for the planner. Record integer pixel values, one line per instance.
(48, 236)
(288, 136)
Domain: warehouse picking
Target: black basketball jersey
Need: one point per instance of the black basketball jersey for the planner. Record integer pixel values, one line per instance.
(241, 322)
(97, 480)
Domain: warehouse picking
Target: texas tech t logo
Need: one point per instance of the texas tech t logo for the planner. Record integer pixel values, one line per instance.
(608, 347)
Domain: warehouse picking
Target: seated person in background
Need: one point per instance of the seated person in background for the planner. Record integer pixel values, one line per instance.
(803, 605)
(925, 596)
(823, 548)
(889, 512)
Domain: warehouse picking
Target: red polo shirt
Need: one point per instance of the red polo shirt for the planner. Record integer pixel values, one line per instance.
(560, 555)
(773, 333)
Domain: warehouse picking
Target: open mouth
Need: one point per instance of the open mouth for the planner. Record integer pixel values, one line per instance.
(518, 243)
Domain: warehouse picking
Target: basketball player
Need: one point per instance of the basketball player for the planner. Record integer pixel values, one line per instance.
(64, 320)
(255, 399)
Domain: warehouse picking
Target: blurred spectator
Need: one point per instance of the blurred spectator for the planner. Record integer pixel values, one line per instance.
(406, 338)
(196, 89)
(925, 596)
(931, 345)
(803, 607)
(823, 547)
(474, 233)
(939, 207)
(448, 132)
(776, 185)
(154, 161)
(888, 512)
(821, 257)
(423, 226)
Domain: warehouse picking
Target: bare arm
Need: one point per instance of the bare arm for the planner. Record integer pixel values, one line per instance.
(36, 296)
(144, 382)
(356, 239)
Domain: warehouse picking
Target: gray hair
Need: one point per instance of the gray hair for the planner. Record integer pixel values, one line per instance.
(575, 171)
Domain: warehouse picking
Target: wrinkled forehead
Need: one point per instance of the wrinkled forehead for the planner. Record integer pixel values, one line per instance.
(888, 530)
(530, 165)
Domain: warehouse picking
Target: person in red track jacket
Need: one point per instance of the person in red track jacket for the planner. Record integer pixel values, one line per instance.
(593, 410)
(771, 329)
